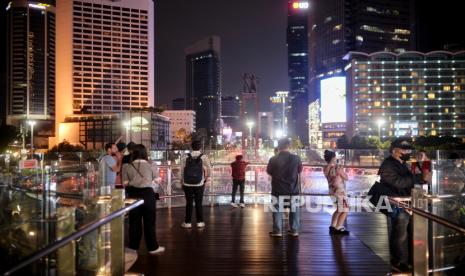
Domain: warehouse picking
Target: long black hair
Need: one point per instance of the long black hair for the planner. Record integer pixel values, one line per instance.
(139, 152)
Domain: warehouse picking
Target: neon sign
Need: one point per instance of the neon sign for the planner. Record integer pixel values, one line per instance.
(300, 5)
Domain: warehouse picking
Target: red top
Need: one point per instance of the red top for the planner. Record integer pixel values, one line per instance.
(425, 166)
(238, 170)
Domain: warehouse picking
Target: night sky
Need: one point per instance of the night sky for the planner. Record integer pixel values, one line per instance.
(253, 40)
(253, 34)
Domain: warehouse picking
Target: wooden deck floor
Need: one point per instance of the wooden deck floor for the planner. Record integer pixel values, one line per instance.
(236, 242)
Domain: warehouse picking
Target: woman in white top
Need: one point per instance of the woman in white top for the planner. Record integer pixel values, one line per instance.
(336, 183)
(139, 177)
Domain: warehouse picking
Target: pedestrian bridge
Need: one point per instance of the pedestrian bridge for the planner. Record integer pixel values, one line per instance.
(56, 221)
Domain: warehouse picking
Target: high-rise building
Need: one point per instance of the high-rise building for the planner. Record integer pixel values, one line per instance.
(230, 112)
(314, 130)
(106, 51)
(178, 104)
(180, 119)
(280, 108)
(265, 125)
(203, 83)
(30, 93)
(406, 94)
(297, 49)
(340, 26)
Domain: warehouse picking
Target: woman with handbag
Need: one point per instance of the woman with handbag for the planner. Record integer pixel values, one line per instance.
(336, 181)
(139, 176)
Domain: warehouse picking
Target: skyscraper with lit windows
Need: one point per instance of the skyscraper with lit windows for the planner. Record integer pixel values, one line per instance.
(30, 93)
(407, 94)
(297, 48)
(203, 83)
(106, 51)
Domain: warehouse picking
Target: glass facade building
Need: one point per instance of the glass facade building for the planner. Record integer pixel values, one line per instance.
(203, 83)
(408, 94)
(297, 50)
(30, 74)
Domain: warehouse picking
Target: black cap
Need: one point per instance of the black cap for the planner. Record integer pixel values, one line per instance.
(402, 143)
(121, 146)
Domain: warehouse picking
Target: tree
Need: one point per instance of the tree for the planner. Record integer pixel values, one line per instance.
(66, 149)
(9, 134)
(343, 142)
(296, 143)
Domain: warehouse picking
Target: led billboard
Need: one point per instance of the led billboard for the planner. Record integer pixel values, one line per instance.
(333, 100)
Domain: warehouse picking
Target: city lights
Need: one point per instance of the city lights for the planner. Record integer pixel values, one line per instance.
(300, 5)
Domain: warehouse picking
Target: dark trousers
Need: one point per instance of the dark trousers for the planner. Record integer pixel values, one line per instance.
(146, 214)
(194, 194)
(400, 239)
(241, 184)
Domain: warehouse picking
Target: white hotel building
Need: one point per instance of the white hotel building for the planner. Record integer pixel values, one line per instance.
(105, 57)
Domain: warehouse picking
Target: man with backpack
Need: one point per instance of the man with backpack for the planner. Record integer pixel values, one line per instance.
(195, 172)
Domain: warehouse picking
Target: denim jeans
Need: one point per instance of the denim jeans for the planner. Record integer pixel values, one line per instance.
(294, 216)
(241, 185)
(398, 233)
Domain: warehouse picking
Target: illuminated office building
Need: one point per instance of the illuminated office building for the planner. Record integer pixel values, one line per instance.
(280, 108)
(340, 26)
(297, 50)
(30, 92)
(106, 56)
(203, 83)
(408, 94)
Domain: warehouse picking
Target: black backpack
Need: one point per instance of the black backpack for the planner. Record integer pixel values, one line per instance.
(193, 171)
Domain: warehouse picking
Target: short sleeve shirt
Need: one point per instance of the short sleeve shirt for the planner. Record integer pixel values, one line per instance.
(106, 163)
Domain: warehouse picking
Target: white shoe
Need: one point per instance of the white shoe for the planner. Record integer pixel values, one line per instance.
(242, 205)
(186, 225)
(130, 257)
(234, 205)
(159, 250)
(200, 224)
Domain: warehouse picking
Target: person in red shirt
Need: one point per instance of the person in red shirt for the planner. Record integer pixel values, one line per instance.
(422, 167)
(238, 175)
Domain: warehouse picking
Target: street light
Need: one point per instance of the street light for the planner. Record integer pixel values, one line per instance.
(380, 122)
(32, 124)
(250, 125)
(279, 133)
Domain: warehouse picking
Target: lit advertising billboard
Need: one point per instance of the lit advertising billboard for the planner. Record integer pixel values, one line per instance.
(333, 100)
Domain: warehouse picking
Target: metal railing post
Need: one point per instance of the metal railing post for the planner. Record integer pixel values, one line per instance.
(420, 234)
(117, 234)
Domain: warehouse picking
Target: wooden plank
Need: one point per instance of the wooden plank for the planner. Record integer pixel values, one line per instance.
(236, 242)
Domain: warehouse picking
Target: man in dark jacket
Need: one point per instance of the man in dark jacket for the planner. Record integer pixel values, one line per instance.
(399, 180)
(284, 169)
(238, 175)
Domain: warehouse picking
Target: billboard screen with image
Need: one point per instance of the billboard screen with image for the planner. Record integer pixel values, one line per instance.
(333, 100)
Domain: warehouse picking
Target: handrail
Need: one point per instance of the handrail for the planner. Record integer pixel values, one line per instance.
(429, 216)
(65, 240)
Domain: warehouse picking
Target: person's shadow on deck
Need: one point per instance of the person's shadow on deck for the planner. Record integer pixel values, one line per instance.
(338, 253)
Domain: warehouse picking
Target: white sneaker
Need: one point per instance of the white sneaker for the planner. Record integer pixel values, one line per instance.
(159, 250)
(242, 205)
(186, 225)
(130, 257)
(234, 205)
(200, 224)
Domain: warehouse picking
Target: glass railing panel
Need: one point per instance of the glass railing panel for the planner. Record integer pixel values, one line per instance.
(447, 250)
(31, 221)
(448, 177)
